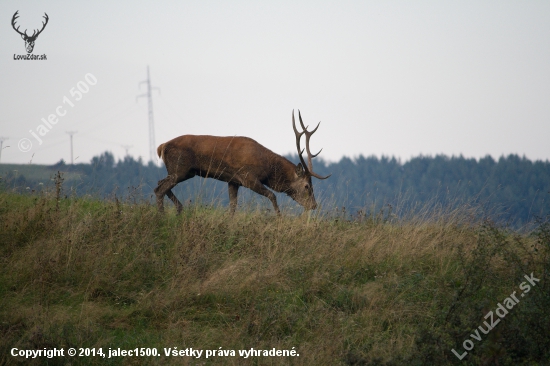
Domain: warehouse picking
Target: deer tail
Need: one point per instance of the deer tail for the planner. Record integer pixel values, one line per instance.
(160, 151)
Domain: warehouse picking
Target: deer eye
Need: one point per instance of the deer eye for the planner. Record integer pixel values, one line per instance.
(306, 186)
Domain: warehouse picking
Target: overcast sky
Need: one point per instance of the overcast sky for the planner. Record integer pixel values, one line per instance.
(397, 78)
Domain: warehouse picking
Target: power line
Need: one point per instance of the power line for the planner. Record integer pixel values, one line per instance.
(151, 121)
(126, 147)
(71, 133)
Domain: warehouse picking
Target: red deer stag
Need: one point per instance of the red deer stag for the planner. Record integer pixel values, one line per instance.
(239, 161)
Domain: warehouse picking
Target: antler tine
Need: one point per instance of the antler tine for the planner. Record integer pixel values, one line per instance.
(15, 16)
(310, 156)
(43, 24)
(318, 176)
(301, 122)
(314, 156)
(308, 135)
(298, 136)
(315, 129)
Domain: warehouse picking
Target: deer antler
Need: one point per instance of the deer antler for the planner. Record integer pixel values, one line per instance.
(34, 34)
(298, 136)
(310, 156)
(15, 16)
(43, 26)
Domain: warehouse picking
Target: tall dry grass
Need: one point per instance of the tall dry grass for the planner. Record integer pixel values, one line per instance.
(369, 291)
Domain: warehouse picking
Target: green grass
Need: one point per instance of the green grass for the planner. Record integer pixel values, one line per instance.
(34, 172)
(78, 272)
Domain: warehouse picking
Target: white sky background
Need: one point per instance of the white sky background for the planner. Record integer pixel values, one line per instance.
(395, 78)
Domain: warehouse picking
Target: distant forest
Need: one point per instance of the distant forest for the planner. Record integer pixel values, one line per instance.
(512, 189)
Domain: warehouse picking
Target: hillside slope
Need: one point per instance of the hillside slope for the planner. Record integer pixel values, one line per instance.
(78, 272)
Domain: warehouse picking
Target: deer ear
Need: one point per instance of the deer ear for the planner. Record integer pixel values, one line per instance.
(23, 36)
(300, 170)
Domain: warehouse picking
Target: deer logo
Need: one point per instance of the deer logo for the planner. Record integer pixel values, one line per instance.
(29, 40)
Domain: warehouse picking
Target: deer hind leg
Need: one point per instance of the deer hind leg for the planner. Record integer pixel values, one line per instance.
(259, 188)
(165, 188)
(233, 189)
(174, 199)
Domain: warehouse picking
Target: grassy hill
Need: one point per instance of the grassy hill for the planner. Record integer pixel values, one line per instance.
(78, 272)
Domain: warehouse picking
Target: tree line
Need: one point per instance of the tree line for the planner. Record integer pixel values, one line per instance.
(515, 188)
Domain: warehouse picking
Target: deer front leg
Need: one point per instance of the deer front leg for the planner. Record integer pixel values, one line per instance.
(233, 189)
(259, 188)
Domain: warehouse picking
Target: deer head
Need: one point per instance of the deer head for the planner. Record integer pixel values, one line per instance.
(29, 40)
(302, 187)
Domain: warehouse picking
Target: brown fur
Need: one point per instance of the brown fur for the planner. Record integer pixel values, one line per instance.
(239, 161)
(160, 151)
